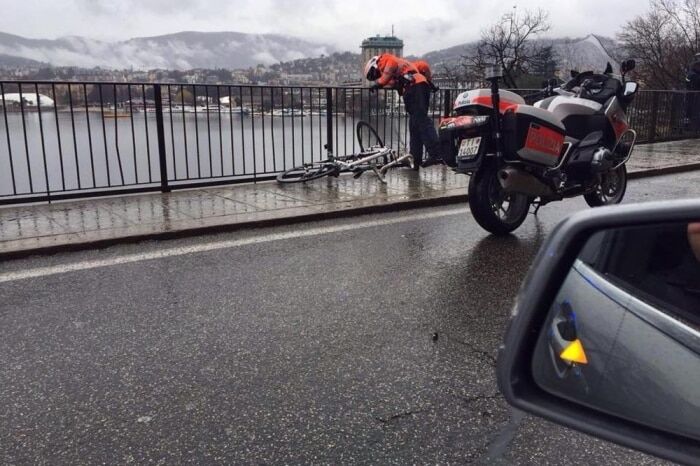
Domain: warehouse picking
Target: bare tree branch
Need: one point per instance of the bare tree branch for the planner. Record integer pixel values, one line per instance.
(508, 44)
(664, 41)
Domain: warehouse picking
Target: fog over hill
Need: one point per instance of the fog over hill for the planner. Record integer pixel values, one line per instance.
(180, 51)
(592, 52)
(234, 50)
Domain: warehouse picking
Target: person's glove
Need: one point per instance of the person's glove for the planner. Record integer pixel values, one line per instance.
(373, 88)
(433, 87)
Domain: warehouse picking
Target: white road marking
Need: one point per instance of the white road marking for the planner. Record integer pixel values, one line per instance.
(213, 246)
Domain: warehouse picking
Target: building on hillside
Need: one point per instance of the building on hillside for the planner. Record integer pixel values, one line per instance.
(378, 45)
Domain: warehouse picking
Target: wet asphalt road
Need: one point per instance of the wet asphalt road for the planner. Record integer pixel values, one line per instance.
(314, 349)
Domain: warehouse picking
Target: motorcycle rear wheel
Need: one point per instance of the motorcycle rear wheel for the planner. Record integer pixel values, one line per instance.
(611, 189)
(493, 209)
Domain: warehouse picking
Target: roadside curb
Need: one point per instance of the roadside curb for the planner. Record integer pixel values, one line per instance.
(230, 227)
(394, 206)
(648, 173)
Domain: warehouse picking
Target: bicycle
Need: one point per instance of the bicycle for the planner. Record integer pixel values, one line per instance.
(373, 155)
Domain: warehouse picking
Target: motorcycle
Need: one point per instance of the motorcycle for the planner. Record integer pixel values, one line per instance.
(575, 140)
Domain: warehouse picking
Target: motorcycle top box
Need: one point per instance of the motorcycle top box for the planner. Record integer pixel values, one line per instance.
(533, 135)
(480, 102)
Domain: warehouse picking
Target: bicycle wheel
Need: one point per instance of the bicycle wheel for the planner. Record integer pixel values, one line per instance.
(307, 172)
(367, 136)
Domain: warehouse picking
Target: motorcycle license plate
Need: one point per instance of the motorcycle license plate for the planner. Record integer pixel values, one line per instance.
(469, 148)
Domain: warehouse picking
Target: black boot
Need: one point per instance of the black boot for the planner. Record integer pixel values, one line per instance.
(417, 161)
(432, 161)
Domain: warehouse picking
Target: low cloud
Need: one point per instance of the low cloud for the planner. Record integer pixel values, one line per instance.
(342, 24)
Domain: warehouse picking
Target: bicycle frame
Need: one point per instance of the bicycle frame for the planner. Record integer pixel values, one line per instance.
(384, 151)
(356, 165)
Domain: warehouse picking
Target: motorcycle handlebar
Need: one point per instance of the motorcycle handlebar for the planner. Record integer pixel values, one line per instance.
(546, 92)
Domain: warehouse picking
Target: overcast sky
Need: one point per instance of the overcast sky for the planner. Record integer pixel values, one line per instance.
(424, 25)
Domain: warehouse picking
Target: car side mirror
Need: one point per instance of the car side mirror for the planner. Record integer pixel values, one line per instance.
(605, 334)
(630, 88)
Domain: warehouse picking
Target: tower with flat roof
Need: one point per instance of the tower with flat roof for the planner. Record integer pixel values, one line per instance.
(378, 45)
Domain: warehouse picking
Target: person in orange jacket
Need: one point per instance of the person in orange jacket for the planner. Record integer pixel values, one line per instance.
(391, 72)
(424, 68)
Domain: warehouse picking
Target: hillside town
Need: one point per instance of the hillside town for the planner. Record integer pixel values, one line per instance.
(335, 69)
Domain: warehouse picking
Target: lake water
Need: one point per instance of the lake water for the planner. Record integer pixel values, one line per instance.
(87, 151)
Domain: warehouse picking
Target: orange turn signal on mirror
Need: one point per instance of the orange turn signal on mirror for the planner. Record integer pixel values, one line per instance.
(574, 353)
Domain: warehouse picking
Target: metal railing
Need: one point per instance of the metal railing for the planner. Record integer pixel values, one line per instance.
(66, 140)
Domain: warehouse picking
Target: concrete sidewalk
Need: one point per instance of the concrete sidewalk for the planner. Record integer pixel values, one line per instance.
(102, 221)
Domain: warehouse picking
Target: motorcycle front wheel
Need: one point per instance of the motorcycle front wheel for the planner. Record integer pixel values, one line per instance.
(610, 190)
(493, 209)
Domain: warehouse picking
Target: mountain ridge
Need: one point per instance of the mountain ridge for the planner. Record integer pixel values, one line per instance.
(236, 50)
(179, 51)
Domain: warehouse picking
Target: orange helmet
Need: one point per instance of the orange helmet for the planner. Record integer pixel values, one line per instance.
(423, 68)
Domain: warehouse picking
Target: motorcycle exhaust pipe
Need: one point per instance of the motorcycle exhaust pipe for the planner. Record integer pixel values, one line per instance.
(517, 181)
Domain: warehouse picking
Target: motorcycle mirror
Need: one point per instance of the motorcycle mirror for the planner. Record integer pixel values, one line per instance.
(608, 69)
(630, 88)
(554, 82)
(628, 65)
(603, 338)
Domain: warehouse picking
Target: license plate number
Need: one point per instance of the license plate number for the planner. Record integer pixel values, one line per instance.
(469, 147)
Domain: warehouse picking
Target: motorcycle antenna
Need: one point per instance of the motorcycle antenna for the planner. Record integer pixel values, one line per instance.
(493, 74)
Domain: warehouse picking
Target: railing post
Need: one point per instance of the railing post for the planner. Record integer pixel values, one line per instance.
(329, 119)
(654, 116)
(161, 140)
(447, 103)
(694, 114)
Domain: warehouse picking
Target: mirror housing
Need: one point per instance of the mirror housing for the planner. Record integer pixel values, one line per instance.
(627, 66)
(530, 316)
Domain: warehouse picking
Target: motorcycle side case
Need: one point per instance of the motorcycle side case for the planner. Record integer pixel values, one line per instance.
(533, 135)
